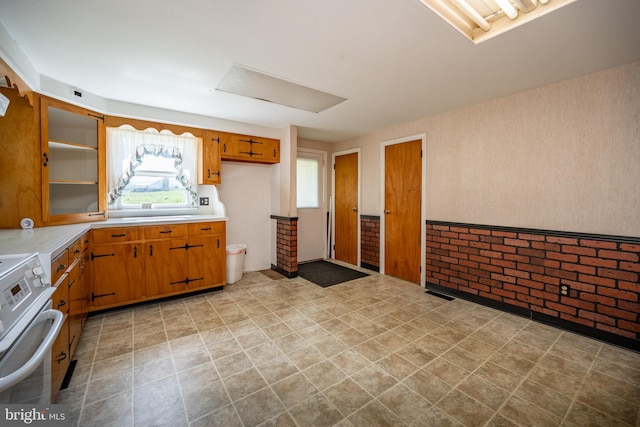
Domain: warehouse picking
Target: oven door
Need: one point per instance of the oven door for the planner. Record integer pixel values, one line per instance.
(25, 368)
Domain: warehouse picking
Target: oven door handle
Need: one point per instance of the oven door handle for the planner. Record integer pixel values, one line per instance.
(39, 355)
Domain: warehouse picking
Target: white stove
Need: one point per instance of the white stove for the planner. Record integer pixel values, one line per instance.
(28, 327)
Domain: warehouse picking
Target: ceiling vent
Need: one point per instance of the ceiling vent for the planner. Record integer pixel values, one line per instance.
(257, 85)
(480, 20)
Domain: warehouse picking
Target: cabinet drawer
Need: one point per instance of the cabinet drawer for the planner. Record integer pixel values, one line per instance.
(120, 234)
(200, 228)
(76, 249)
(59, 266)
(165, 231)
(60, 298)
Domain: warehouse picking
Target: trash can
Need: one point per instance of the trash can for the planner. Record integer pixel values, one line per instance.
(235, 262)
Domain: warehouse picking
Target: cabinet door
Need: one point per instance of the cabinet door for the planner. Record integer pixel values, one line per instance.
(166, 266)
(210, 159)
(73, 163)
(117, 272)
(252, 149)
(60, 350)
(206, 261)
(74, 281)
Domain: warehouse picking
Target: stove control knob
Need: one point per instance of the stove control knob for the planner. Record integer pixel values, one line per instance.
(37, 271)
(41, 281)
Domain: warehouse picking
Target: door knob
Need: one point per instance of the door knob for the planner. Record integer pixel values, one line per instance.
(387, 211)
(354, 209)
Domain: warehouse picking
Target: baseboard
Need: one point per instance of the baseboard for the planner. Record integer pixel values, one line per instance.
(539, 317)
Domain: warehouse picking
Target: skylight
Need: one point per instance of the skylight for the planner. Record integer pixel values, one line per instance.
(479, 20)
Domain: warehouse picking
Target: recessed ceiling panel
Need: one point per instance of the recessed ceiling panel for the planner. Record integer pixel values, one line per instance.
(255, 84)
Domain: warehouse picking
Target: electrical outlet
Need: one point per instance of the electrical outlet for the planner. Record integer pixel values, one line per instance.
(564, 290)
(204, 201)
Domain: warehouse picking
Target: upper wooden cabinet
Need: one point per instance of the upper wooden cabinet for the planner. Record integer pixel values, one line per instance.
(209, 158)
(73, 163)
(245, 148)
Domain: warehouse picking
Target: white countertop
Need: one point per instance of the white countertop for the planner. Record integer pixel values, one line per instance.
(50, 241)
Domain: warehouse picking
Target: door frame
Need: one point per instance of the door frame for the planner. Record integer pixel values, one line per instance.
(333, 199)
(423, 208)
(323, 179)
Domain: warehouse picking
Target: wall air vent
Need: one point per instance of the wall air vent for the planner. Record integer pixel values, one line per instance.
(480, 20)
(257, 85)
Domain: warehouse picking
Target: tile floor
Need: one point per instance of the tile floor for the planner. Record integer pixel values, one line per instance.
(375, 351)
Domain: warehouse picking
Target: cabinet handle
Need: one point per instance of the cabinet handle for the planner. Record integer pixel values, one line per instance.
(71, 282)
(166, 231)
(46, 159)
(150, 250)
(61, 357)
(135, 252)
(94, 296)
(61, 267)
(274, 153)
(218, 243)
(62, 303)
(118, 235)
(224, 148)
(205, 229)
(77, 251)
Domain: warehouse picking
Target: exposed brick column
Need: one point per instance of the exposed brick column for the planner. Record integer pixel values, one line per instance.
(584, 282)
(370, 242)
(286, 246)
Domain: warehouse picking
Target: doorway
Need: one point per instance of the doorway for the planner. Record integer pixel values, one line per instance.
(403, 209)
(310, 196)
(346, 206)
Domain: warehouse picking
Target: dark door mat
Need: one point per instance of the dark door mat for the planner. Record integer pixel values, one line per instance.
(326, 274)
(272, 274)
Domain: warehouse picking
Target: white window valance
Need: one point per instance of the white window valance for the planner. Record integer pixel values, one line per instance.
(127, 146)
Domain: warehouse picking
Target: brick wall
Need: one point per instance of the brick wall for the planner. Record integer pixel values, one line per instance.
(286, 246)
(525, 270)
(370, 242)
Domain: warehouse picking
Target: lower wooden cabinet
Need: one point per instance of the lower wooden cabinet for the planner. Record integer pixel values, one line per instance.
(117, 271)
(207, 258)
(60, 355)
(159, 261)
(166, 266)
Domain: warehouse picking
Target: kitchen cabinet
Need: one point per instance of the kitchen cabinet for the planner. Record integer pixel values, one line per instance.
(60, 356)
(79, 293)
(166, 267)
(71, 297)
(140, 263)
(20, 184)
(117, 272)
(253, 149)
(73, 164)
(207, 253)
(209, 164)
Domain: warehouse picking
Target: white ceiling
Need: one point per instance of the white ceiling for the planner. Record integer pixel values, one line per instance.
(394, 60)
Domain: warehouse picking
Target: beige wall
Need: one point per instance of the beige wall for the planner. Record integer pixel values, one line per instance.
(562, 157)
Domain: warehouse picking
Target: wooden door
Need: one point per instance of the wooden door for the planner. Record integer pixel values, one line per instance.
(402, 213)
(118, 274)
(346, 208)
(166, 266)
